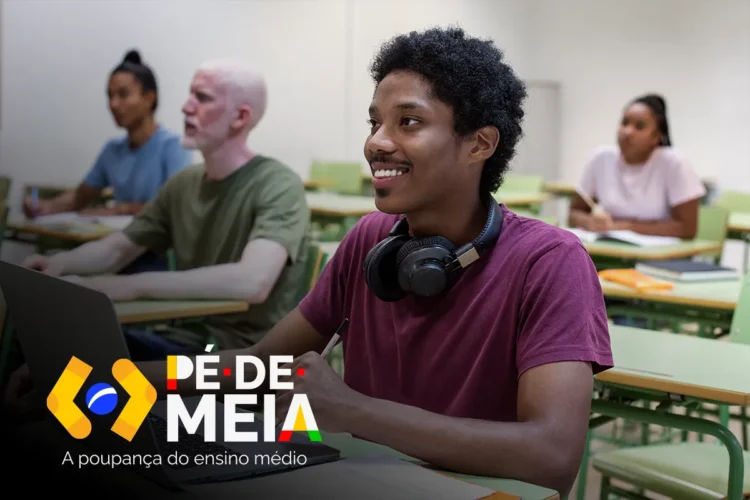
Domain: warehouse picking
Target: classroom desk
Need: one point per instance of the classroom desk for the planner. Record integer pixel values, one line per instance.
(149, 311)
(675, 370)
(339, 205)
(609, 254)
(78, 232)
(710, 304)
(739, 223)
(527, 200)
(738, 228)
(46, 436)
(558, 188)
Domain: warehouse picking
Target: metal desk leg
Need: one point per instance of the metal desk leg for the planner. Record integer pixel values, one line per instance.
(691, 424)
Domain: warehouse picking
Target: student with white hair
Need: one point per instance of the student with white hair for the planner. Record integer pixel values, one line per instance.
(238, 224)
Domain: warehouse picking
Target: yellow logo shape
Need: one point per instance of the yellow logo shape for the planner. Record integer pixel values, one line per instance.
(142, 398)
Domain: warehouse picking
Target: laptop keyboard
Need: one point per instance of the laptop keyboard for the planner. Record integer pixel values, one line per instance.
(190, 445)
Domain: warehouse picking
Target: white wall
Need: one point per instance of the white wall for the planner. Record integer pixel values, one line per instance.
(694, 52)
(56, 55)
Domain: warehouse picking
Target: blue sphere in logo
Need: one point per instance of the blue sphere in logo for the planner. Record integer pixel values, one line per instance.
(101, 398)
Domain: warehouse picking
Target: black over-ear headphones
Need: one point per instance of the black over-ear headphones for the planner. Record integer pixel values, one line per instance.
(401, 265)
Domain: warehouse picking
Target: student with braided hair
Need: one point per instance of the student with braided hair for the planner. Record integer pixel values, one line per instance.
(643, 184)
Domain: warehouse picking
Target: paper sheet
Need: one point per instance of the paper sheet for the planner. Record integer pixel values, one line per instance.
(116, 222)
(641, 240)
(363, 478)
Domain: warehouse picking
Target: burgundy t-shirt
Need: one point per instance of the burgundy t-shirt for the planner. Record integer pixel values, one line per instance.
(533, 299)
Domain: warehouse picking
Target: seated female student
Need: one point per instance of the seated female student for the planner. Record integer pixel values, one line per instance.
(134, 166)
(642, 185)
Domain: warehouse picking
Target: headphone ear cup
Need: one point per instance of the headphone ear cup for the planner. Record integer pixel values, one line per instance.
(381, 272)
(421, 265)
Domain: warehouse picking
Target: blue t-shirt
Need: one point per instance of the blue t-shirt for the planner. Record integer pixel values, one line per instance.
(136, 175)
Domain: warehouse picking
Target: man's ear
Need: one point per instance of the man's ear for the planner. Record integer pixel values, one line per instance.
(244, 115)
(485, 142)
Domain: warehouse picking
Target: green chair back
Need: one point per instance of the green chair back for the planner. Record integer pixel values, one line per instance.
(740, 331)
(3, 220)
(712, 226)
(316, 260)
(734, 201)
(345, 178)
(5, 183)
(513, 182)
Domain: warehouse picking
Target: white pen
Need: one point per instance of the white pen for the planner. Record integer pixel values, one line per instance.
(335, 338)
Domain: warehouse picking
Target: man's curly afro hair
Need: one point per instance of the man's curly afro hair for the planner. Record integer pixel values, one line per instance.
(469, 75)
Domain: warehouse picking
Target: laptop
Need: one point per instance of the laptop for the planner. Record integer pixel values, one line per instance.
(55, 319)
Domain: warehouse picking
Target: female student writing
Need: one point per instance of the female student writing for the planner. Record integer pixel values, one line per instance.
(134, 166)
(643, 184)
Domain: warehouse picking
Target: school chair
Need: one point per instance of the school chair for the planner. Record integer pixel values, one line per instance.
(5, 183)
(316, 261)
(712, 226)
(734, 201)
(340, 177)
(3, 221)
(517, 182)
(687, 470)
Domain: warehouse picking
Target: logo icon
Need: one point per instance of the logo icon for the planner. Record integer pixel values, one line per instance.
(101, 398)
(303, 421)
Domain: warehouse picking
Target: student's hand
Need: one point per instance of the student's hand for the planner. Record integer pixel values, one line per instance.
(42, 264)
(330, 398)
(117, 288)
(21, 400)
(599, 222)
(30, 211)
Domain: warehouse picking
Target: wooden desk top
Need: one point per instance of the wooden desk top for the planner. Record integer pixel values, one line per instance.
(340, 205)
(147, 311)
(739, 222)
(714, 294)
(76, 232)
(707, 369)
(520, 198)
(628, 251)
(560, 188)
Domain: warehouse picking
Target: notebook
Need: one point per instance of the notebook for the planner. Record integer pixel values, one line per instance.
(71, 220)
(635, 279)
(624, 236)
(687, 270)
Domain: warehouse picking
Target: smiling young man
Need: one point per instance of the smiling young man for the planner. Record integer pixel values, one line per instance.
(492, 376)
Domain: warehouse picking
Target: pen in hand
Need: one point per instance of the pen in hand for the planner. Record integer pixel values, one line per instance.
(324, 354)
(335, 338)
(34, 202)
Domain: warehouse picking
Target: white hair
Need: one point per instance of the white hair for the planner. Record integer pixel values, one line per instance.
(244, 86)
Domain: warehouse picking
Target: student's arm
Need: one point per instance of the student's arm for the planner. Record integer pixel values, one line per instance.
(107, 255)
(116, 209)
(251, 279)
(579, 214)
(292, 336)
(682, 224)
(68, 201)
(544, 448)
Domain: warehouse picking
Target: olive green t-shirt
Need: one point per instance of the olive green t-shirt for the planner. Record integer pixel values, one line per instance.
(209, 223)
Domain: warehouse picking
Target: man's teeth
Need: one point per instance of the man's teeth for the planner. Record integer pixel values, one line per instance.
(388, 173)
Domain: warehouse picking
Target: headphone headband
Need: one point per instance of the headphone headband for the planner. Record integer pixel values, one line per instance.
(470, 252)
